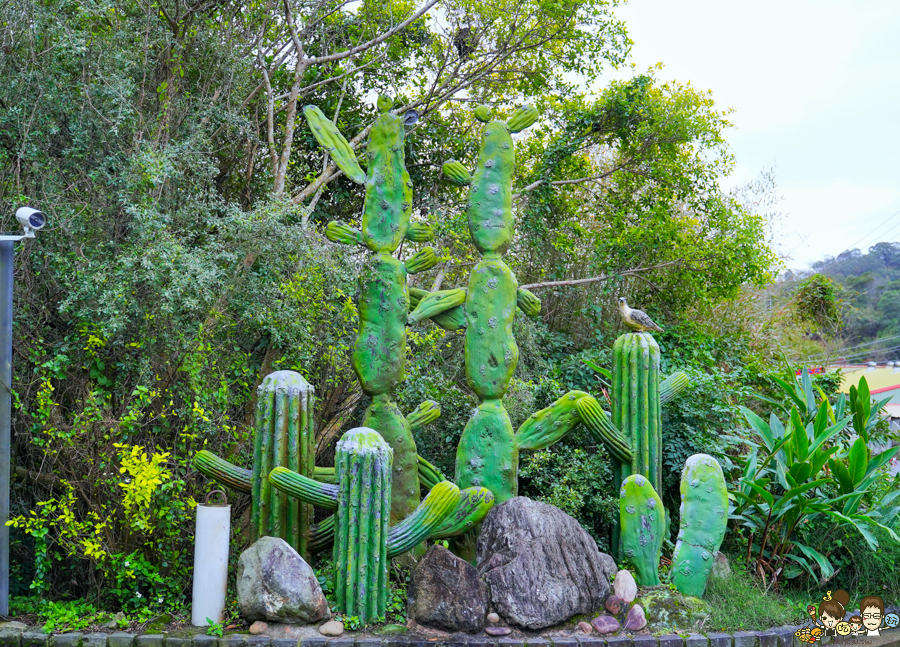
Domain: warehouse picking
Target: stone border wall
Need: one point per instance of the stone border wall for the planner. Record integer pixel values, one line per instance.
(776, 637)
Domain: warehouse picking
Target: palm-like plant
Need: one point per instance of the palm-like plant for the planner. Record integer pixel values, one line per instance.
(803, 469)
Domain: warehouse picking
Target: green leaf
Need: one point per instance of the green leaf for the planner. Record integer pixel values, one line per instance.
(857, 459)
(879, 460)
(762, 492)
(602, 371)
(800, 472)
(841, 475)
(796, 492)
(760, 426)
(801, 440)
(790, 391)
(820, 559)
(828, 434)
(806, 382)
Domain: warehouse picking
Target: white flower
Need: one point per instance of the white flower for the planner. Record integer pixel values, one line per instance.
(127, 563)
(137, 594)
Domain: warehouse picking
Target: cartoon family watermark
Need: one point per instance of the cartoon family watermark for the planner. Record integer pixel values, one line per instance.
(830, 619)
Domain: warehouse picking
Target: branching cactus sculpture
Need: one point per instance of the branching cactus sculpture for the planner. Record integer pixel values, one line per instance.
(704, 518)
(284, 436)
(379, 353)
(643, 524)
(364, 541)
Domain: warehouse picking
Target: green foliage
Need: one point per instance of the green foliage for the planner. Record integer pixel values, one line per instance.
(817, 302)
(575, 478)
(799, 471)
(214, 628)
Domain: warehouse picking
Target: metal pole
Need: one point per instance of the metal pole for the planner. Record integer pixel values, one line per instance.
(6, 314)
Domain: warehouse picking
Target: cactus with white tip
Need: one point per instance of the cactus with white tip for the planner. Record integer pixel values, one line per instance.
(704, 519)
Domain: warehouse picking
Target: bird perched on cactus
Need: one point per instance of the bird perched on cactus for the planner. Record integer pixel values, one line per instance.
(636, 320)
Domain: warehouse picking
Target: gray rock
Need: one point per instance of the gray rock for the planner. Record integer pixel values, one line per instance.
(71, 639)
(94, 640)
(257, 628)
(497, 631)
(332, 628)
(35, 639)
(625, 586)
(605, 624)
(721, 567)
(445, 592)
(609, 568)
(540, 565)
(13, 624)
(119, 639)
(275, 584)
(635, 620)
(493, 618)
(10, 637)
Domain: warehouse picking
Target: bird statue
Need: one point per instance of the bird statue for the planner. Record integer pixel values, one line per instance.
(637, 320)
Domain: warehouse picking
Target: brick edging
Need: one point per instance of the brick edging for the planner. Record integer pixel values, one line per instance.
(774, 637)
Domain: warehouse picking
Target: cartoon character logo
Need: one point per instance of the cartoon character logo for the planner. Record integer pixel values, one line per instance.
(830, 613)
(892, 620)
(872, 610)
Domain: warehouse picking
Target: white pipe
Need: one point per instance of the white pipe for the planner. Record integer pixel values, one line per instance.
(210, 563)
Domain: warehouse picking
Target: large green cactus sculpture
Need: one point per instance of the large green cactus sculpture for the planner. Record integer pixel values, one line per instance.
(636, 403)
(284, 436)
(642, 521)
(704, 518)
(379, 352)
(364, 540)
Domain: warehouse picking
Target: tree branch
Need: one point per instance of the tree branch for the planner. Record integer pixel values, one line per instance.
(337, 56)
(602, 277)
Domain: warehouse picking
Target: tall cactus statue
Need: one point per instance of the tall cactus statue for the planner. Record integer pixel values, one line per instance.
(364, 541)
(643, 524)
(636, 404)
(379, 352)
(284, 436)
(704, 519)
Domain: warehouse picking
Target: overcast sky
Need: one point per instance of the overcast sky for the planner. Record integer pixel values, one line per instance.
(815, 88)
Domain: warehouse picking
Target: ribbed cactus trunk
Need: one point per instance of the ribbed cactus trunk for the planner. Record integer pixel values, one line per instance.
(285, 437)
(363, 473)
(636, 408)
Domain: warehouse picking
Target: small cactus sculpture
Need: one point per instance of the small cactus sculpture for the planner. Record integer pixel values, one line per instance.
(284, 436)
(363, 539)
(363, 470)
(704, 519)
(642, 521)
(379, 352)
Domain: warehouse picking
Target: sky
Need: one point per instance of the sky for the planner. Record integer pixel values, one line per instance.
(815, 89)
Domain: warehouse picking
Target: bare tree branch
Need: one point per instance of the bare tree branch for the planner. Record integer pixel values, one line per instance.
(602, 277)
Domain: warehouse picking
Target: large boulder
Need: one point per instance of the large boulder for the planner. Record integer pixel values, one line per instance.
(445, 592)
(540, 565)
(276, 585)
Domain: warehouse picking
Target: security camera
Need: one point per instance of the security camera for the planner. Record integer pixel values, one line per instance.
(31, 220)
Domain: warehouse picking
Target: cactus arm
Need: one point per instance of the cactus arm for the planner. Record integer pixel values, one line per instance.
(321, 535)
(419, 232)
(642, 523)
(474, 504)
(522, 118)
(439, 503)
(547, 426)
(331, 139)
(452, 319)
(672, 386)
(421, 261)
(223, 472)
(456, 173)
(603, 429)
(324, 474)
(306, 489)
(429, 475)
(425, 413)
(528, 302)
(435, 303)
(338, 232)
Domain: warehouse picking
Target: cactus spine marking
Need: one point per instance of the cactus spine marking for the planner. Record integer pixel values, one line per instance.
(363, 472)
(704, 518)
(284, 436)
(379, 352)
(642, 521)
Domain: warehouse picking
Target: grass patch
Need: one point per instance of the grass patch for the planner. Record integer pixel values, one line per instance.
(738, 604)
